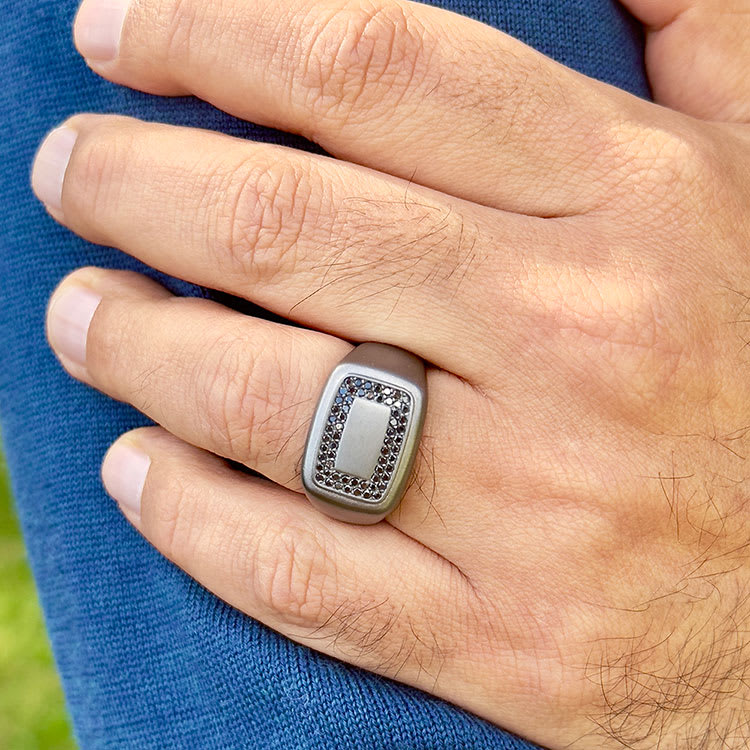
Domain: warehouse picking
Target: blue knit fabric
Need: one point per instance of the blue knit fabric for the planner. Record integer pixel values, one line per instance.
(148, 658)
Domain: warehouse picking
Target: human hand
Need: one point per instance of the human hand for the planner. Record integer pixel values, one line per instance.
(570, 561)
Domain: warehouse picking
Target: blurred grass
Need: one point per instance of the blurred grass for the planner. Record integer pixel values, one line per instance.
(32, 708)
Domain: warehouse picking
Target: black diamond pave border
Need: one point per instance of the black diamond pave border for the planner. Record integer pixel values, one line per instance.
(372, 489)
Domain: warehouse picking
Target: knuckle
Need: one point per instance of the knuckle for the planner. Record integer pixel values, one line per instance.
(243, 397)
(360, 55)
(619, 332)
(267, 214)
(168, 515)
(294, 572)
(672, 168)
(298, 574)
(184, 26)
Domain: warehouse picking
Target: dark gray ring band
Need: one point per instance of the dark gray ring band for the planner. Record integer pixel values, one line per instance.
(365, 434)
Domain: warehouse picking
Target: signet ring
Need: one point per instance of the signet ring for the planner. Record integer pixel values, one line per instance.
(364, 436)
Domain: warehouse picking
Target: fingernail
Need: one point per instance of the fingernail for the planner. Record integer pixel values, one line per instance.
(68, 320)
(98, 28)
(50, 165)
(124, 471)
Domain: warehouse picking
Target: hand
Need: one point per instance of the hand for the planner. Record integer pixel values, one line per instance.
(571, 559)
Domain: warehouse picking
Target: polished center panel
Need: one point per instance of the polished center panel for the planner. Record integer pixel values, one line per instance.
(362, 439)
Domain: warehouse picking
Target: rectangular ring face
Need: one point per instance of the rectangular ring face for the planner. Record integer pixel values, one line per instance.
(380, 416)
(363, 436)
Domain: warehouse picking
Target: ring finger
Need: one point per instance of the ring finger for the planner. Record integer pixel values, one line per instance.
(241, 387)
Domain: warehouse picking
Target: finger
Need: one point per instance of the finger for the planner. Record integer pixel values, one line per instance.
(334, 246)
(697, 53)
(241, 387)
(370, 596)
(377, 83)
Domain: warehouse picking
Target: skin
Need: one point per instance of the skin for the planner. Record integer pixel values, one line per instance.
(571, 559)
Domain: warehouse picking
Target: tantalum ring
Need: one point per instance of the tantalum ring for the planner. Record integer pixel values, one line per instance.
(365, 434)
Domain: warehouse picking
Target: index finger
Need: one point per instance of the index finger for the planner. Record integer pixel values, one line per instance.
(413, 90)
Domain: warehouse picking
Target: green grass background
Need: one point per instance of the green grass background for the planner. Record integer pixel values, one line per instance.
(32, 708)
